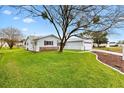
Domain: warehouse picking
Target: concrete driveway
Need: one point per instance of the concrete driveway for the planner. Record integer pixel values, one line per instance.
(109, 52)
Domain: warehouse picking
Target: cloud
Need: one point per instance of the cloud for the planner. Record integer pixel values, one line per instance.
(25, 29)
(28, 20)
(16, 18)
(7, 12)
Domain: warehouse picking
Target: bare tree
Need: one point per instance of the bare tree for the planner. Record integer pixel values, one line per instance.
(69, 20)
(11, 36)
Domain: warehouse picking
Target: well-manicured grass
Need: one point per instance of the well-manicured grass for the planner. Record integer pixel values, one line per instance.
(20, 68)
(113, 49)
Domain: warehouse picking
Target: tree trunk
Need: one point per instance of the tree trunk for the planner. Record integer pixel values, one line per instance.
(61, 49)
(98, 45)
(10, 44)
(61, 46)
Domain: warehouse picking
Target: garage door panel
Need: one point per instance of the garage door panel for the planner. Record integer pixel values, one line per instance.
(87, 46)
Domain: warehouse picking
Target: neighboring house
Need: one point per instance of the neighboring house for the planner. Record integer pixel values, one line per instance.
(78, 43)
(51, 42)
(111, 44)
(3, 43)
(101, 45)
(20, 43)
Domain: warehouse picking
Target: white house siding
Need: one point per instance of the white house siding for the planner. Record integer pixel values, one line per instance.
(40, 42)
(29, 45)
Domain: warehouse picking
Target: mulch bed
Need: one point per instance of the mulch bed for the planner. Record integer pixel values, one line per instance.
(112, 60)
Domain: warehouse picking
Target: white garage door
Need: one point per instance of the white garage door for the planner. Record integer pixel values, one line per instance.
(74, 45)
(88, 45)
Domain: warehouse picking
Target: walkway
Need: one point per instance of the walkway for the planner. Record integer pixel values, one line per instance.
(109, 52)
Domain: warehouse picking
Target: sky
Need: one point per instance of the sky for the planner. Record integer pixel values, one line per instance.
(38, 26)
(28, 25)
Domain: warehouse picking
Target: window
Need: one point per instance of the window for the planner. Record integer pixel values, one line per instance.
(48, 42)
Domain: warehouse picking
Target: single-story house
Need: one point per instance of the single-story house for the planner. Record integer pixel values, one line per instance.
(3, 43)
(101, 45)
(51, 42)
(20, 43)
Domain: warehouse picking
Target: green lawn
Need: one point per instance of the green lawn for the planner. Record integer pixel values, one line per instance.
(19, 68)
(113, 49)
